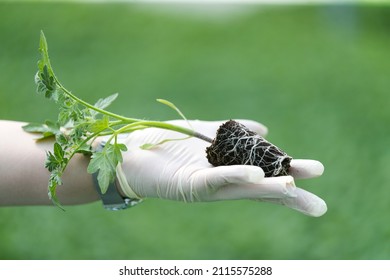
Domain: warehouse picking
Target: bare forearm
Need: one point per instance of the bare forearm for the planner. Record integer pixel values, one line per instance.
(23, 177)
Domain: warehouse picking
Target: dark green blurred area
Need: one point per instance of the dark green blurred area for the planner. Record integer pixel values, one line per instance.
(317, 76)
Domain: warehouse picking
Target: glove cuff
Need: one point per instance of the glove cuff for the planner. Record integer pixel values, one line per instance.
(124, 185)
(112, 199)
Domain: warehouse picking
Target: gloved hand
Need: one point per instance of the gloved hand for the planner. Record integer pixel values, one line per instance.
(179, 170)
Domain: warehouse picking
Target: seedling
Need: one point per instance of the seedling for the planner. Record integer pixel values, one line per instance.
(79, 123)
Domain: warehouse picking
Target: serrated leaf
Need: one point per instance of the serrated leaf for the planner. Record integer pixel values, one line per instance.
(55, 160)
(105, 102)
(45, 80)
(51, 162)
(54, 181)
(44, 50)
(46, 84)
(61, 139)
(99, 125)
(35, 127)
(65, 101)
(84, 149)
(118, 149)
(48, 129)
(105, 162)
(64, 116)
(58, 151)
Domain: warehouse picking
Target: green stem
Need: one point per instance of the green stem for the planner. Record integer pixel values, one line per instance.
(132, 121)
(90, 106)
(163, 125)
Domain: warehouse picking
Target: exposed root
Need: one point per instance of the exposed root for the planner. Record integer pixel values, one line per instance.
(235, 144)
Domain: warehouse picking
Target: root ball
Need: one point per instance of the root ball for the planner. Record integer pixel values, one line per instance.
(235, 144)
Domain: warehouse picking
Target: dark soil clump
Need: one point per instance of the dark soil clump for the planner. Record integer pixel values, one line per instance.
(235, 144)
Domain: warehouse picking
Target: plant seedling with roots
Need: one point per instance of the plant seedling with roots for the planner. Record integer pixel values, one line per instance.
(79, 123)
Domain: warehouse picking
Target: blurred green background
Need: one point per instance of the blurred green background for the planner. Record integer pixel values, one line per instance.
(317, 76)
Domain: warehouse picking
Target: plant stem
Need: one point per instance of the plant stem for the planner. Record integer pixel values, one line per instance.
(203, 137)
(163, 125)
(176, 128)
(136, 122)
(90, 106)
(128, 122)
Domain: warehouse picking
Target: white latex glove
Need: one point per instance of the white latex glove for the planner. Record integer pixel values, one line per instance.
(179, 170)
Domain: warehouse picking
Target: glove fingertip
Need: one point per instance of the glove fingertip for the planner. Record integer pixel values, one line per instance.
(306, 168)
(320, 209)
(309, 204)
(315, 208)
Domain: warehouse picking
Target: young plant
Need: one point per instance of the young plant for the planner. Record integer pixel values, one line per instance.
(79, 123)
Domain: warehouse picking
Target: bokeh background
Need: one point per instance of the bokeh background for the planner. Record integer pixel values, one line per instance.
(316, 75)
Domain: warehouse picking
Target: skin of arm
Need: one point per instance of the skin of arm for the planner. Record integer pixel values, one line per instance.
(23, 177)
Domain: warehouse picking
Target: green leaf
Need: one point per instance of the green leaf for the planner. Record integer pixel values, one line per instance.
(105, 102)
(51, 162)
(44, 50)
(172, 106)
(45, 80)
(46, 83)
(35, 127)
(148, 146)
(84, 149)
(48, 129)
(61, 139)
(54, 181)
(105, 163)
(118, 149)
(56, 160)
(99, 125)
(58, 151)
